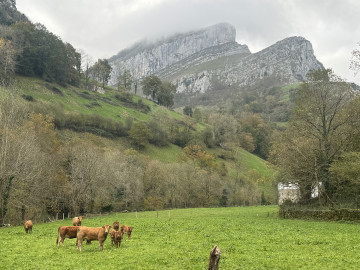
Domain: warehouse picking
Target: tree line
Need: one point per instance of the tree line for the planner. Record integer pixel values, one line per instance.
(42, 176)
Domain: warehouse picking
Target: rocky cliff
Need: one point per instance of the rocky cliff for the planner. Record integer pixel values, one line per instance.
(211, 59)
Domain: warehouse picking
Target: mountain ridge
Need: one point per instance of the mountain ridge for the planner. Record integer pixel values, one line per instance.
(211, 59)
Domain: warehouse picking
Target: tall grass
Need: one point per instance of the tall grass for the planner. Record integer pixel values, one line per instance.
(249, 238)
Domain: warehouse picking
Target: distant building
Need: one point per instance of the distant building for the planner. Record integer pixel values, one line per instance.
(291, 191)
(288, 191)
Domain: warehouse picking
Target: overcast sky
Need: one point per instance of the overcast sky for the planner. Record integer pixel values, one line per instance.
(103, 28)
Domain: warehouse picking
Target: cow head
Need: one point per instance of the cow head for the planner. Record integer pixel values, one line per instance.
(80, 218)
(107, 228)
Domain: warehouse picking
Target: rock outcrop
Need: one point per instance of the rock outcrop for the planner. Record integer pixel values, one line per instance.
(212, 59)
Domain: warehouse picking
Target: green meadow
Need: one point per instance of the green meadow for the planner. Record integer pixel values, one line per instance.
(248, 237)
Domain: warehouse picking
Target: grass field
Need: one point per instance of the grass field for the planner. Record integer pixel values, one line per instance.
(249, 238)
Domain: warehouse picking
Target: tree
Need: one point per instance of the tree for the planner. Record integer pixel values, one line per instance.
(9, 14)
(197, 115)
(45, 55)
(160, 92)
(73, 62)
(28, 158)
(224, 128)
(7, 61)
(188, 111)
(254, 126)
(125, 79)
(139, 134)
(101, 71)
(158, 136)
(320, 130)
(151, 86)
(345, 172)
(85, 170)
(86, 63)
(165, 95)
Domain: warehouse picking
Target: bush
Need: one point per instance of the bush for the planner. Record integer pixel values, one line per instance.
(28, 98)
(317, 214)
(158, 136)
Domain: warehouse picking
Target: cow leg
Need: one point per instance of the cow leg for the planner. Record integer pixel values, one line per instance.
(101, 243)
(60, 240)
(79, 243)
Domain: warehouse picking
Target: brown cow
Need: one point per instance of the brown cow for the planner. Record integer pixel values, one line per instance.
(66, 232)
(28, 226)
(77, 221)
(116, 237)
(126, 229)
(116, 225)
(90, 234)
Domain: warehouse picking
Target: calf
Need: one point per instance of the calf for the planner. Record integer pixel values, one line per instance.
(116, 225)
(28, 226)
(77, 221)
(66, 232)
(90, 234)
(116, 237)
(126, 229)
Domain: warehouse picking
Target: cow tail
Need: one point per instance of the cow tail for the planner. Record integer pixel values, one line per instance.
(57, 238)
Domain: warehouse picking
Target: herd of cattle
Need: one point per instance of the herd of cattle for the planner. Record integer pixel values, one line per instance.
(89, 234)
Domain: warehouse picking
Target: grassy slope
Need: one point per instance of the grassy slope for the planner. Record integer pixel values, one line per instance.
(249, 238)
(77, 100)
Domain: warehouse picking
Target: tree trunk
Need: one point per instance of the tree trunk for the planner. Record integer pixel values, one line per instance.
(214, 258)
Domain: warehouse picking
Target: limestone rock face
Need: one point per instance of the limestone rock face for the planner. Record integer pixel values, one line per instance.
(211, 58)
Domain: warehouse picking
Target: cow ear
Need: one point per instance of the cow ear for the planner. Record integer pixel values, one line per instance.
(103, 227)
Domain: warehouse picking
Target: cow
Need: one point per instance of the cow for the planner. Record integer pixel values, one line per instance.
(77, 221)
(126, 229)
(91, 234)
(28, 226)
(116, 225)
(116, 237)
(66, 232)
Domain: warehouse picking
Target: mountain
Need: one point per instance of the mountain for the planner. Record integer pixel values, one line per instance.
(211, 59)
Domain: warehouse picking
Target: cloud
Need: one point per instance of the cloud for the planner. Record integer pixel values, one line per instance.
(103, 28)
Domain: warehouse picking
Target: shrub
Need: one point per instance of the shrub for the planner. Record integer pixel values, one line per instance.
(28, 98)
(318, 214)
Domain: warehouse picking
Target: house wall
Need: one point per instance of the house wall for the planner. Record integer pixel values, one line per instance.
(291, 194)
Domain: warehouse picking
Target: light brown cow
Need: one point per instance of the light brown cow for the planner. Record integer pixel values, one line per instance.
(77, 221)
(28, 226)
(116, 225)
(116, 237)
(91, 234)
(126, 229)
(66, 232)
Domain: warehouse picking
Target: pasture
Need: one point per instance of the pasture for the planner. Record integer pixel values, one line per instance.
(248, 237)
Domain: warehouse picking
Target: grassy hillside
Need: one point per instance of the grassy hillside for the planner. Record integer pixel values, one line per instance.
(248, 237)
(121, 107)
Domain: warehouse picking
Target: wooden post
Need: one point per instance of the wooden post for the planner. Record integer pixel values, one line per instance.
(63, 215)
(214, 258)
